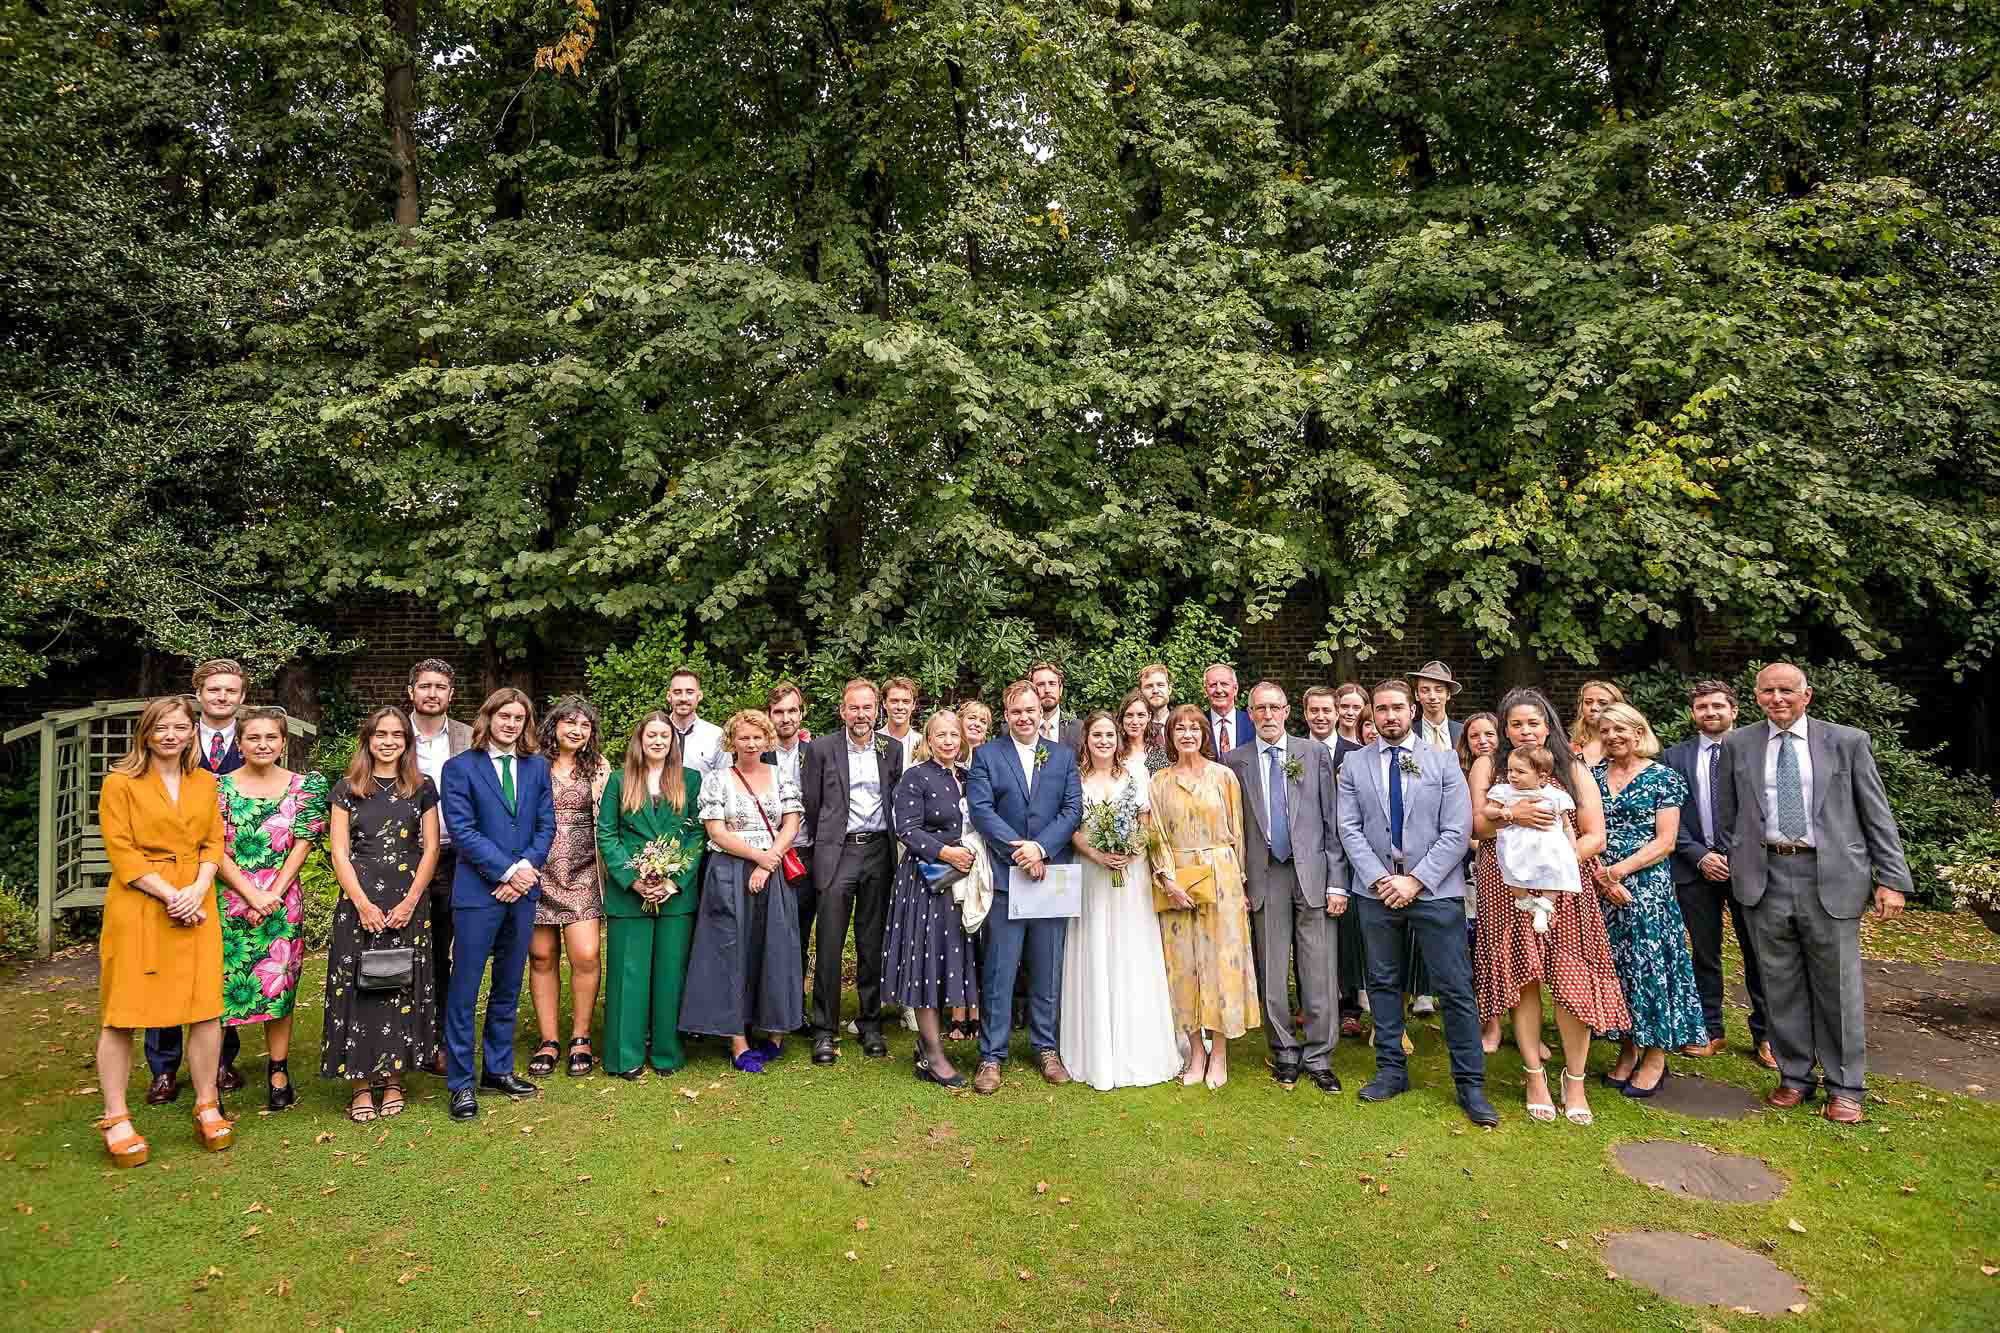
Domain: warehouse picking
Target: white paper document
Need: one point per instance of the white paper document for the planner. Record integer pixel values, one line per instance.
(1057, 893)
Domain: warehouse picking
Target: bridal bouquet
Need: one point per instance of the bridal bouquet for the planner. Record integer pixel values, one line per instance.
(661, 862)
(1112, 826)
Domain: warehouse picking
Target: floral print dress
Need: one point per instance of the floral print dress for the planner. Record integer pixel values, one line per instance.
(1649, 942)
(1210, 975)
(261, 961)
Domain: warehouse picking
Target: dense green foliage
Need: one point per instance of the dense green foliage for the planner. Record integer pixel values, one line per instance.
(858, 324)
(1943, 816)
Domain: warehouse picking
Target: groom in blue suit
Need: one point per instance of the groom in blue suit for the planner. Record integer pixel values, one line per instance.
(500, 810)
(1026, 799)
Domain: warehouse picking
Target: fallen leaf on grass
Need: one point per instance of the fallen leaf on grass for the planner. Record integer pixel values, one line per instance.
(867, 1177)
(860, 1224)
(1795, 1225)
(581, 1179)
(252, 1230)
(405, 1279)
(24, 1208)
(1430, 1268)
(1381, 1187)
(1041, 1187)
(324, 1136)
(1562, 1245)
(1988, 1269)
(1025, 1275)
(851, 1256)
(255, 1208)
(690, 1094)
(1064, 1198)
(639, 1297)
(1800, 1308)
(284, 1288)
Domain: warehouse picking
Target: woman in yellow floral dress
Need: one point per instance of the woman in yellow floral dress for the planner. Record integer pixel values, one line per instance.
(1198, 809)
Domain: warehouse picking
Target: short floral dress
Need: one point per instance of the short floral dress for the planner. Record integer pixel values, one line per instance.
(1649, 940)
(1573, 959)
(1210, 975)
(374, 1034)
(261, 962)
(571, 891)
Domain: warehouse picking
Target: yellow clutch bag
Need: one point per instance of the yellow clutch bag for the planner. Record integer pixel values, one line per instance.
(1191, 877)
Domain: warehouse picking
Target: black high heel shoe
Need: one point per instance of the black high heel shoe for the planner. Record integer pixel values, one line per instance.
(928, 1075)
(275, 1097)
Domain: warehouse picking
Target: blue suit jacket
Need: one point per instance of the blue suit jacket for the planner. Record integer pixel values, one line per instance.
(1437, 820)
(1004, 813)
(1243, 728)
(488, 838)
(1684, 758)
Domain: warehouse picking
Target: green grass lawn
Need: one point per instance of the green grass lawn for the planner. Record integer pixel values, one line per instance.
(856, 1197)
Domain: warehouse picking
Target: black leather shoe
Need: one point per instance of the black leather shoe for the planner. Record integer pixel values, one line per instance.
(1477, 1109)
(228, 1080)
(1324, 1079)
(510, 1083)
(825, 1052)
(464, 1105)
(1286, 1074)
(873, 1045)
(165, 1088)
(1382, 1087)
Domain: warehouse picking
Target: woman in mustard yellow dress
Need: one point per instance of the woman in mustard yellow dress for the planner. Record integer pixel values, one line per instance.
(160, 951)
(1198, 809)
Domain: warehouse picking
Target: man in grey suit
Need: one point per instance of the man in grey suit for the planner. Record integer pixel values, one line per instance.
(1292, 857)
(1808, 832)
(1405, 817)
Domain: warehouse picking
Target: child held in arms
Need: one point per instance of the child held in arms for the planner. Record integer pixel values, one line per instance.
(1534, 862)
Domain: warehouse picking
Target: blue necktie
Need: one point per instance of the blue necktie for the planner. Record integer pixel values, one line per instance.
(1281, 816)
(1396, 798)
(1791, 793)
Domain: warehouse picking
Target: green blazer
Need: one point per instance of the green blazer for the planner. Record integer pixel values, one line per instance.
(620, 837)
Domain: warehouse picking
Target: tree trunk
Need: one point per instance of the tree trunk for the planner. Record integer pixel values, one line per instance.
(399, 111)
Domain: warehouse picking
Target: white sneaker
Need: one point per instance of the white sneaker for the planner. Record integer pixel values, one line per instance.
(1423, 1006)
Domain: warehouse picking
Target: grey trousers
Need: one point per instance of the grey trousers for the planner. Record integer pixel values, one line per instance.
(1287, 927)
(1811, 965)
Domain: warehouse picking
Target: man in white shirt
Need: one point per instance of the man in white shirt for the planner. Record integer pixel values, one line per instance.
(1701, 872)
(1047, 680)
(899, 706)
(1228, 725)
(701, 741)
(786, 706)
(1809, 839)
(1436, 688)
(437, 737)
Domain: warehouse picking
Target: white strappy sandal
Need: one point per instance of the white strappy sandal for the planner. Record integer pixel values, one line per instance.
(1576, 1117)
(1541, 1112)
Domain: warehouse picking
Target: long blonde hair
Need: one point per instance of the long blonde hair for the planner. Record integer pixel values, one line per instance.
(137, 759)
(1581, 729)
(632, 793)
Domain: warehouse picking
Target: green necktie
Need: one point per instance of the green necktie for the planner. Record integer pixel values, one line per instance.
(507, 780)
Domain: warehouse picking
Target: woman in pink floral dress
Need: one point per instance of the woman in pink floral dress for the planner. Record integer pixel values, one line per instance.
(271, 818)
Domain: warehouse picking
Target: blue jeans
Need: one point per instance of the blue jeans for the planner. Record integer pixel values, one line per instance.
(1008, 943)
(1433, 929)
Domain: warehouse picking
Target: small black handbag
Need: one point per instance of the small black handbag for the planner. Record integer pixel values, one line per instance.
(385, 969)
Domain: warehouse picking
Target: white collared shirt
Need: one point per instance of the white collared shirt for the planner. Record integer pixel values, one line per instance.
(908, 740)
(789, 766)
(1216, 722)
(1704, 797)
(208, 735)
(1052, 726)
(1802, 748)
(1026, 755)
(864, 788)
(430, 754)
(1264, 749)
(1437, 734)
(701, 746)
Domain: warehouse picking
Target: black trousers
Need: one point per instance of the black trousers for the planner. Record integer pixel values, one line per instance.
(859, 893)
(441, 928)
(164, 1047)
(1702, 905)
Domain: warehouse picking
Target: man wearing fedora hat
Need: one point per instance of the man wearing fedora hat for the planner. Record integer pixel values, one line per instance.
(1435, 688)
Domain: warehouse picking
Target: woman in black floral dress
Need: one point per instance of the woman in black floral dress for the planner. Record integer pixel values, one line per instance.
(384, 842)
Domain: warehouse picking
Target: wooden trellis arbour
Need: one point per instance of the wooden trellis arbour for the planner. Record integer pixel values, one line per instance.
(78, 745)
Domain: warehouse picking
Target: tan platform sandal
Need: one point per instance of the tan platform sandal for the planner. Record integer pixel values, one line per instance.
(134, 1151)
(214, 1137)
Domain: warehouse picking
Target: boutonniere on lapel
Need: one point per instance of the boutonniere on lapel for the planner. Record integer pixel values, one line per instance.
(881, 748)
(1041, 757)
(1293, 768)
(1411, 768)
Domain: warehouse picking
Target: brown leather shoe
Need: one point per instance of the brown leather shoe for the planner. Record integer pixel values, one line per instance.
(1701, 1050)
(1843, 1111)
(986, 1081)
(165, 1088)
(1052, 1068)
(436, 1066)
(1785, 1098)
(1766, 1056)
(228, 1080)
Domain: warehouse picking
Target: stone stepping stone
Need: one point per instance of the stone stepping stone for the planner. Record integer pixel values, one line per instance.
(1690, 1169)
(1691, 1094)
(1700, 1270)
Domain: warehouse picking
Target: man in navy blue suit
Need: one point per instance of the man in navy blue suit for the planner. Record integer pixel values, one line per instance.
(1228, 725)
(218, 694)
(1026, 799)
(501, 811)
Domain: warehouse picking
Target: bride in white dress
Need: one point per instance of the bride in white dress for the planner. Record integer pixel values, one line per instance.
(1117, 1016)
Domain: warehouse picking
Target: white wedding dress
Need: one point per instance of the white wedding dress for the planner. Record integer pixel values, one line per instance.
(1117, 1016)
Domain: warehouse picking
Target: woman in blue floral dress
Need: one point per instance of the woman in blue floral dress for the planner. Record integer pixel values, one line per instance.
(1649, 944)
(271, 817)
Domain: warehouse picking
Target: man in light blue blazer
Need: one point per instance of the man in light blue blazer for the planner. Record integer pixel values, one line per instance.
(501, 811)
(1025, 797)
(1405, 817)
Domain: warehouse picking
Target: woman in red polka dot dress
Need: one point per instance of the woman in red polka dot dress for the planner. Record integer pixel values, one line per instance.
(1513, 961)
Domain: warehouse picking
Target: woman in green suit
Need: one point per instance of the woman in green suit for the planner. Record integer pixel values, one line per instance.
(650, 919)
